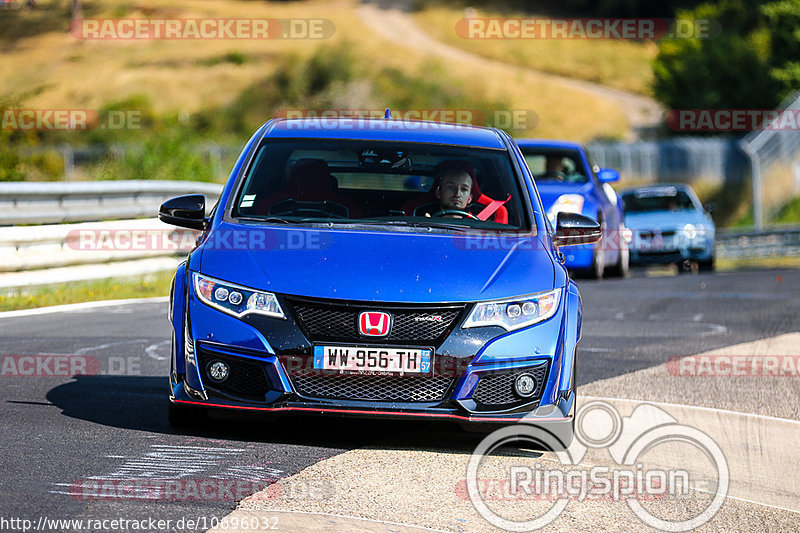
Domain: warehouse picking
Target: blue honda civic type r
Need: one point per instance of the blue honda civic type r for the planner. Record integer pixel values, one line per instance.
(377, 268)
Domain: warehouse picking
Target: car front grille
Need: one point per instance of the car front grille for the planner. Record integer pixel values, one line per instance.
(496, 390)
(247, 378)
(312, 384)
(324, 321)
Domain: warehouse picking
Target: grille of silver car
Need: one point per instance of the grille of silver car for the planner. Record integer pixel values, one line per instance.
(496, 390)
(372, 388)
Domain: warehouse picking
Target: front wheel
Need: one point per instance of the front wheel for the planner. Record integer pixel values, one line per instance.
(623, 264)
(706, 266)
(598, 267)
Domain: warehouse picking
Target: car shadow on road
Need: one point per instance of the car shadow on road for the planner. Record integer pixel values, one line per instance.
(139, 403)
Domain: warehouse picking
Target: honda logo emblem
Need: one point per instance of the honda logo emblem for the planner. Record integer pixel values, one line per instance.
(374, 323)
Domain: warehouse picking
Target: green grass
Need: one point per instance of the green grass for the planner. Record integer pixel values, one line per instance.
(148, 286)
(726, 265)
(790, 212)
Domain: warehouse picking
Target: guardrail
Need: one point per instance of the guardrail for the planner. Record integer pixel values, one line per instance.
(49, 238)
(59, 202)
(748, 243)
(26, 248)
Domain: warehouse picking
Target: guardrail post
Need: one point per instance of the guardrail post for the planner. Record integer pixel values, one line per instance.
(755, 177)
(69, 160)
(215, 154)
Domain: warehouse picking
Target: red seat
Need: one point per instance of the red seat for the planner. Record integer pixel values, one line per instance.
(310, 181)
(500, 215)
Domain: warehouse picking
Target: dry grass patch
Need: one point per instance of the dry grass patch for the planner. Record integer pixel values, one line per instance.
(617, 63)
(55, 70)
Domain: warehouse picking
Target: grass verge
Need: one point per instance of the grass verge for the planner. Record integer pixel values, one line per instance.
(726, 265)
(148, 286)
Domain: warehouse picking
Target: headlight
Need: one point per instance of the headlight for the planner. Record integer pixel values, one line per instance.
(514, 313)
(234, 299)
(566, 203)
(691, 231)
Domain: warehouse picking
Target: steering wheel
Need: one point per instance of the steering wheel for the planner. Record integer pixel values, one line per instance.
(445, 212)
(554, 175)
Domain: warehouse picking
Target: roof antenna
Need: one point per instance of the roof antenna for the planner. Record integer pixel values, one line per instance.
(388, 113)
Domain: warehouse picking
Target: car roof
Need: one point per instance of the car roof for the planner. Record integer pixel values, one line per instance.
(380, 129)
(548, 143)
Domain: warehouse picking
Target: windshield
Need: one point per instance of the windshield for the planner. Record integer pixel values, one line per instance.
(549, 164)
(307, 181)
(666, 199)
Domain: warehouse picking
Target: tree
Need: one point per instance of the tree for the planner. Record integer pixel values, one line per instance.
(751, 63)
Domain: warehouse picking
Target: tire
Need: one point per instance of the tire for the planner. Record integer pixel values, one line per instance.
(706, 266)
(180, 416)
(598, 268)
(623, 264)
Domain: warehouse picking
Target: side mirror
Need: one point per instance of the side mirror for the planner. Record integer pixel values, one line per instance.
(709, 208)
(607, 175)
(573, 228)
(186, 211)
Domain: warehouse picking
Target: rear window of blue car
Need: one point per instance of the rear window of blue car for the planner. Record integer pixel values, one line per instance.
(323, 180)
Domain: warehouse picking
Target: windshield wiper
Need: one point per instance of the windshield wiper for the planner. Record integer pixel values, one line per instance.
(267, 219)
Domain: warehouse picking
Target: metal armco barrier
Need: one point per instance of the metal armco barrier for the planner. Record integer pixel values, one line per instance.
(59, 202)
(776, 242)
(26, 248)
(38, 228)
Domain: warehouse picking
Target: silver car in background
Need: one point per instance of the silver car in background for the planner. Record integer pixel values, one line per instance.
(669, 224)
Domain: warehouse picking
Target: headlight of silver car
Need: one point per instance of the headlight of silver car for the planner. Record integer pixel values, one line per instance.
(234, 299)
(692, 231)
(515, 313)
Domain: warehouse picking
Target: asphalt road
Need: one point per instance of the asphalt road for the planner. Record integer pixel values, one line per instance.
(73, 447)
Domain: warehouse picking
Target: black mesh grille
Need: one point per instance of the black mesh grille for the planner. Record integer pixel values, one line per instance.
(496, 390)
(372, 388)
(247, 378)
(328, 322)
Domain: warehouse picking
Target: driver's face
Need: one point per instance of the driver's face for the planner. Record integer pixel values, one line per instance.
(455, 191)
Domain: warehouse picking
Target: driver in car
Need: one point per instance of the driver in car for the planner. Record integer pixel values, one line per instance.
(455, 190)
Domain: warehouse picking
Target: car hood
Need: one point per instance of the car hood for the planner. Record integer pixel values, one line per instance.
(551, 190)
(658, 219)
(379, 266)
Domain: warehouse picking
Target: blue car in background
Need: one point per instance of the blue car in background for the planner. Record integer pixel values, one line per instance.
(669, 225)
(336, 277)
(569, 183)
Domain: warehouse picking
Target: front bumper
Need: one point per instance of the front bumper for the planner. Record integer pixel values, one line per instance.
(474, 368)
(668, 256)
(555, 419)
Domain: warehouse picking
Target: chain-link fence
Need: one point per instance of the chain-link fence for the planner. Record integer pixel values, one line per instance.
(774, 154)
(716, 161)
